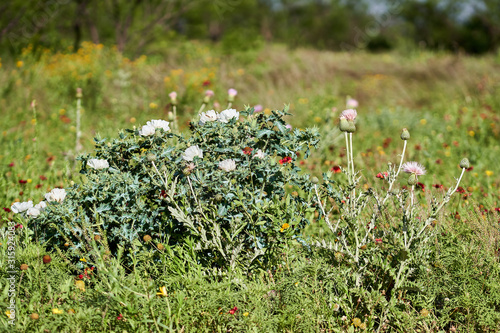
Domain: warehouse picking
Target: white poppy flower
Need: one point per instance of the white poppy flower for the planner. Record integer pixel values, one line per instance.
(227, 165)
(191, 152)
(227, 115)
(20, 207)
(208, 116)
(97, 164)
(147, 130)
(41, 205)
(259, 154)
(57, 194)
(159, 124)
(33, 212)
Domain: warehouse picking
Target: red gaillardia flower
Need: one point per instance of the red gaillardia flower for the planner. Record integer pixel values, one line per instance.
(285, 160)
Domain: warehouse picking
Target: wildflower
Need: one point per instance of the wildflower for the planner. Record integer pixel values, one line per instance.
(80, 276)
(284, 227)
(21, 181)
(153, 105)
(259, 154)
(208, 95)
(258, 108)
(119, 317)
(362, 326)
(24, 267)
(206, 83)
(438, 186)
(245, 314)
(9, 314)
(231, 93)
(208, 116)
(414, 168)
(336, 169)
(344, 318)
(378, 240)
(336, 307)
(488, 173)
(460, 189)
(163, 292)
(349, 114)
(382, 175)
(405, 135)
(247, 150)
(233, 310)
(57, 194)
(192, 152)
(42, 177)
(421, 185)
(356, 322)
(80, 285)
(83, 259)
(20, 207)
(33, 212)
(57, 311)
(351, 103)
(289, 127)
(424, 312)
(158, 123)
(173, 97)
(227, 165)
(285, 160)
(227, 115)
(7, 209)
(97, 164)
(34, 316)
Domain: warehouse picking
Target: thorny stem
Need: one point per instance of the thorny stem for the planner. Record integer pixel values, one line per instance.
(352, 170)
(327, 220)
(348, 157)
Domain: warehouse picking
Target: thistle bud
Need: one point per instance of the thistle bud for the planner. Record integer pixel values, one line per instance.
(315, 180)
(464, 163)
(218, 197)
(151, 157)
(231, 93)
(170, 116)
(405, 135)
(412, 180)
(343, 124)
(173, 97)
(79, 93)
(351, 127)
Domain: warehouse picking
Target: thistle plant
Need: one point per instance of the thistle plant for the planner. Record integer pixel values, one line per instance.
(383, 237)
(222, 189)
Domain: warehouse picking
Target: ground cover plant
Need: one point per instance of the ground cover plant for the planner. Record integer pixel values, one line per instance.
(306, 233)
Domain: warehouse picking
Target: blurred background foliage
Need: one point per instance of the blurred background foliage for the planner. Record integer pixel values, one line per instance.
(146, 26)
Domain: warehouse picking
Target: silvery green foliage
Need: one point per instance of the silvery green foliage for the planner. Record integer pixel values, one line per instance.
(233, 216)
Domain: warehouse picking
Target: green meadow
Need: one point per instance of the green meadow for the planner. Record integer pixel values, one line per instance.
(449, 103)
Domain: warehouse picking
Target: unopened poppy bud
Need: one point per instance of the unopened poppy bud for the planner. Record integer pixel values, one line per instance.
(412, 180)
(464, 163)
(405, 135)
(343, 124)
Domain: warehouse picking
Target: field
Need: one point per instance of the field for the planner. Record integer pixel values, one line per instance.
(449, 104)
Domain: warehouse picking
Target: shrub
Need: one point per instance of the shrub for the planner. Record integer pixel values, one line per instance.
(222, 188)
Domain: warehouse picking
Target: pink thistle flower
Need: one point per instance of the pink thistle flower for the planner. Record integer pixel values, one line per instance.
(349, 114)
(232, 92)
(352, 103)
(209, 93)
(257, 108)
(415, 168)
(173, 95)
(289, 126)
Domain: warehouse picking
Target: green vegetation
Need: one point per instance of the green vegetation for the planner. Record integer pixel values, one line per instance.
(447, 102)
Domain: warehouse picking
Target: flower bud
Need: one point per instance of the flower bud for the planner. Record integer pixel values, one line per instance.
(170, 116)
(218, 197)
(351, 127)
(343, 124)
(412, 180)
(46, 259)
(151, 157)
(315, 180)
(464, 163)
(79, 93)
(24, 267)
(160, 246)
(146, 238)
(405, 135)
(34, 316)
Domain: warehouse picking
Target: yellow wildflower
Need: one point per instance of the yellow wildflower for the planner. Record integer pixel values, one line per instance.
(245, 314)
(163, 292)
(284, 227)
(356, 322)
(19, 64)
(153, 105)
(471, 133)
(83, 259)
(57, 311)
(7, 313)
(80, 285)
(423, 121)
(488, 173)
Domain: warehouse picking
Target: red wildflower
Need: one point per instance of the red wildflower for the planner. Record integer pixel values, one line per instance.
(163, 194)
(7, 209)
(51, 158)
(438, 186)
(120, 317)
(439, 161)
(206, 83)
(387, 142)
(21, 193)
(247, 150)
(418, 147)
(378, 240)
(421, 185)
(497, 209)
(18, 226)
(38, 185)
(460, 189)
(65, 119)
(22, 181)
(302, 162)
(382, 175)
(285, 160)
(11, 164)
(336, 169)
(80, 276)
(233, 310)
(470, 169)
(42, 177)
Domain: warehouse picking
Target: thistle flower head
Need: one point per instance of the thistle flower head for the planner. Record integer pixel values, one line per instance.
(414, 168)
(352, 103)
(209, 93)
(464, 163)
(232, 92)
(349, 114)
(405, 135)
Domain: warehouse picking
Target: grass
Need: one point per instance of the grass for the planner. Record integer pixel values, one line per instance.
(448, 102)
